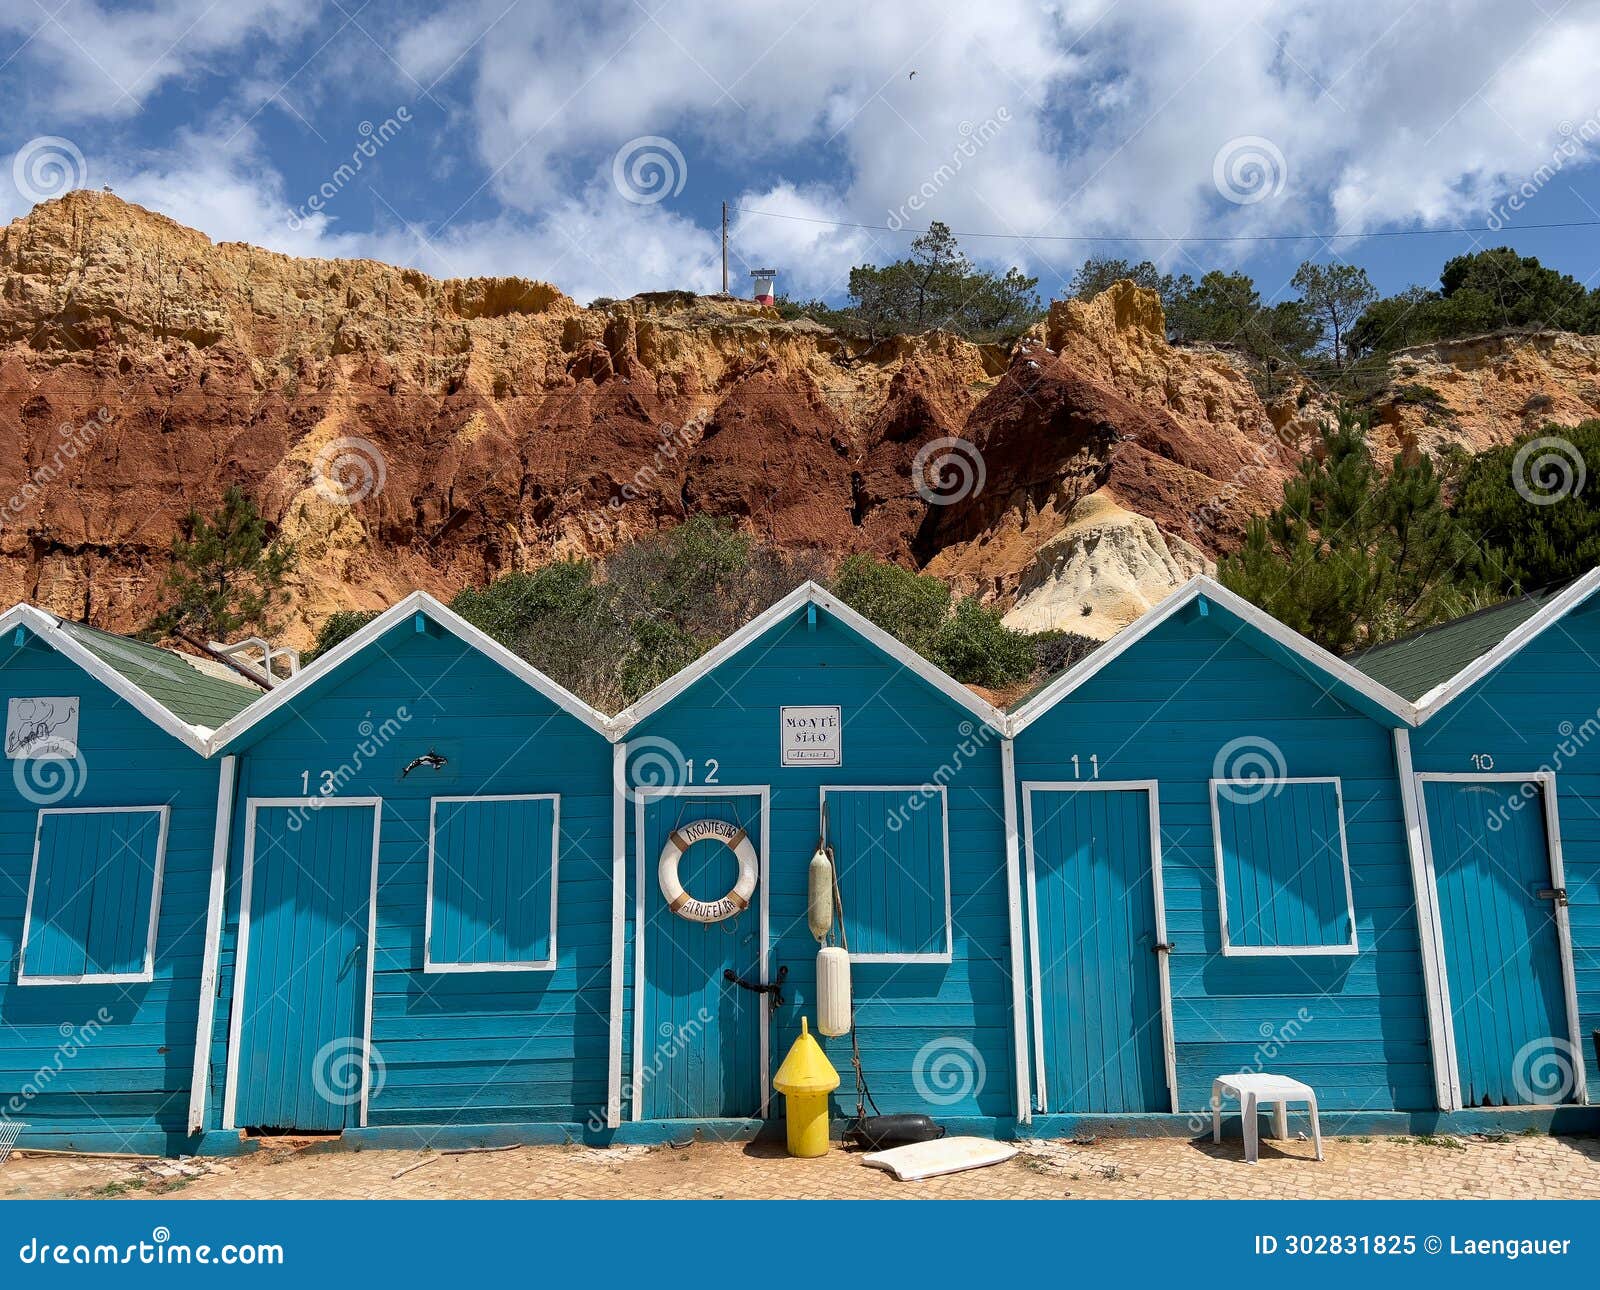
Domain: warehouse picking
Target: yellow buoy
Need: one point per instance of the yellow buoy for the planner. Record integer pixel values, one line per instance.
(805, 1079)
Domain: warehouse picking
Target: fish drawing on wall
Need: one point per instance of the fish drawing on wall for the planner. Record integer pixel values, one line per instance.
(42, 727)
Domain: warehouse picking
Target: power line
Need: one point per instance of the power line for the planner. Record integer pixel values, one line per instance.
(1454, 229)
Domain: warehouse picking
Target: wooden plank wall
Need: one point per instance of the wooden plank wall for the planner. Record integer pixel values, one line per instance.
(1353, 1027)
(456, 1047)
(943, 1029)
(1541, 711)
(75, 1079)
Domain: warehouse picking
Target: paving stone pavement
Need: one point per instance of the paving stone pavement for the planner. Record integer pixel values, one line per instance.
(1524, 1167)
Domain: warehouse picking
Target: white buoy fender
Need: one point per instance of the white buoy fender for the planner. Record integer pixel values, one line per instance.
(819, 895)
(833, 991)
(681, 902)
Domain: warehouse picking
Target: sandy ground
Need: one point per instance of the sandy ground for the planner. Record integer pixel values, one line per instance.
(1521, 1167)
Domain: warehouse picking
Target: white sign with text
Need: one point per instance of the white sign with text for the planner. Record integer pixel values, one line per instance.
(810, 736)
(42, 729)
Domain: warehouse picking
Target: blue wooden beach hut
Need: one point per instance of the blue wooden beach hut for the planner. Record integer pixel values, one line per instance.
(416, 928)
(1503, 795)
(1215, 871)
(107, 838)
(419, 890)
(809, 722)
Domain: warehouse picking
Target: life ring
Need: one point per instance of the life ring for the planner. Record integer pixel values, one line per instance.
(736, 901)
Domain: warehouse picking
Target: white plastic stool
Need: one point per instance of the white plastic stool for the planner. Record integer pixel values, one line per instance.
(1251, 1091)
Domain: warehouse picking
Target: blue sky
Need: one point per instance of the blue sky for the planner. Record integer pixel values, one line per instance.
(590, 145)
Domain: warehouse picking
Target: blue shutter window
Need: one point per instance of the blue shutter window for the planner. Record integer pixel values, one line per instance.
(94, 895)
(1283, 869)
(891, 849)
(492, 884)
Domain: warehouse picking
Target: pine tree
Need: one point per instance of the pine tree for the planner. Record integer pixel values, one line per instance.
(1532, 504)
(1355, 554)
(938, 286)
(227, 573)
(1335, 295)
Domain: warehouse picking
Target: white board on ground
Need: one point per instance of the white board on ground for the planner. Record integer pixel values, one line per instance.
(942, 1156)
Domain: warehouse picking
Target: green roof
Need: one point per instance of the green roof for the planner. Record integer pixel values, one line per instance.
(1418, 663)
(193, 696)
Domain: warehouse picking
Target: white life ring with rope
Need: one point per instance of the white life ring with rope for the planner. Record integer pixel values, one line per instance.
(736, 901)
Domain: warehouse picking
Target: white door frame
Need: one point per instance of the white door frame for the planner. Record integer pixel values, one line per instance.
(242, 948)
(644, 796)
(1546, 779)
(1152, 789)
(206, 1016)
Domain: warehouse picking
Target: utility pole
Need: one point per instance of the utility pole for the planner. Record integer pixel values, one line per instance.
(724, 248)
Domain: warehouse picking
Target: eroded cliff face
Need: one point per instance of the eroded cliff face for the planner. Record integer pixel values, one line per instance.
(410, 432)
(1481, 391)
(405, 432)
(1117, 467)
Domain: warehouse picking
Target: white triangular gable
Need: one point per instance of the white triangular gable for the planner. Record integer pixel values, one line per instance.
(808, 593)
(1330, 664)
(47, 627)
(418, 602)
(1558, 608)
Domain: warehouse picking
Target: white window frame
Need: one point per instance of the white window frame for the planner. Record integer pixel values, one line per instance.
(1351, 947)
(937, 956)
(437, 966)
(97, 978)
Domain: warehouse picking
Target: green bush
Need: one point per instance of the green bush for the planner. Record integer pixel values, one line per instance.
(227, 574)
(559, 619)
(1356, 554)
(335, 628)
(911, 607)
(515, 605)
(1055, 651)
(968, 641)
(1535, 543)
(657, 649)
(974, 646)
(613, 631)
(1483, 291)
(937, 286)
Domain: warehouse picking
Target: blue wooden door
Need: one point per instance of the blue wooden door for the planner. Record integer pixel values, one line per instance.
(1502, 950)
(1102, 1047)
(302, 1058)
(701, 1050)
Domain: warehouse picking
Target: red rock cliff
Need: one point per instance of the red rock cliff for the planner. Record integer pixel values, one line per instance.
(410, 432)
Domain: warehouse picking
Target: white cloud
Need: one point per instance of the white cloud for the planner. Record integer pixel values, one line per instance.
(1117, 112)
(592, 244)
(812, 258)
(769, 85)
(1106, 119)
(105, 60)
